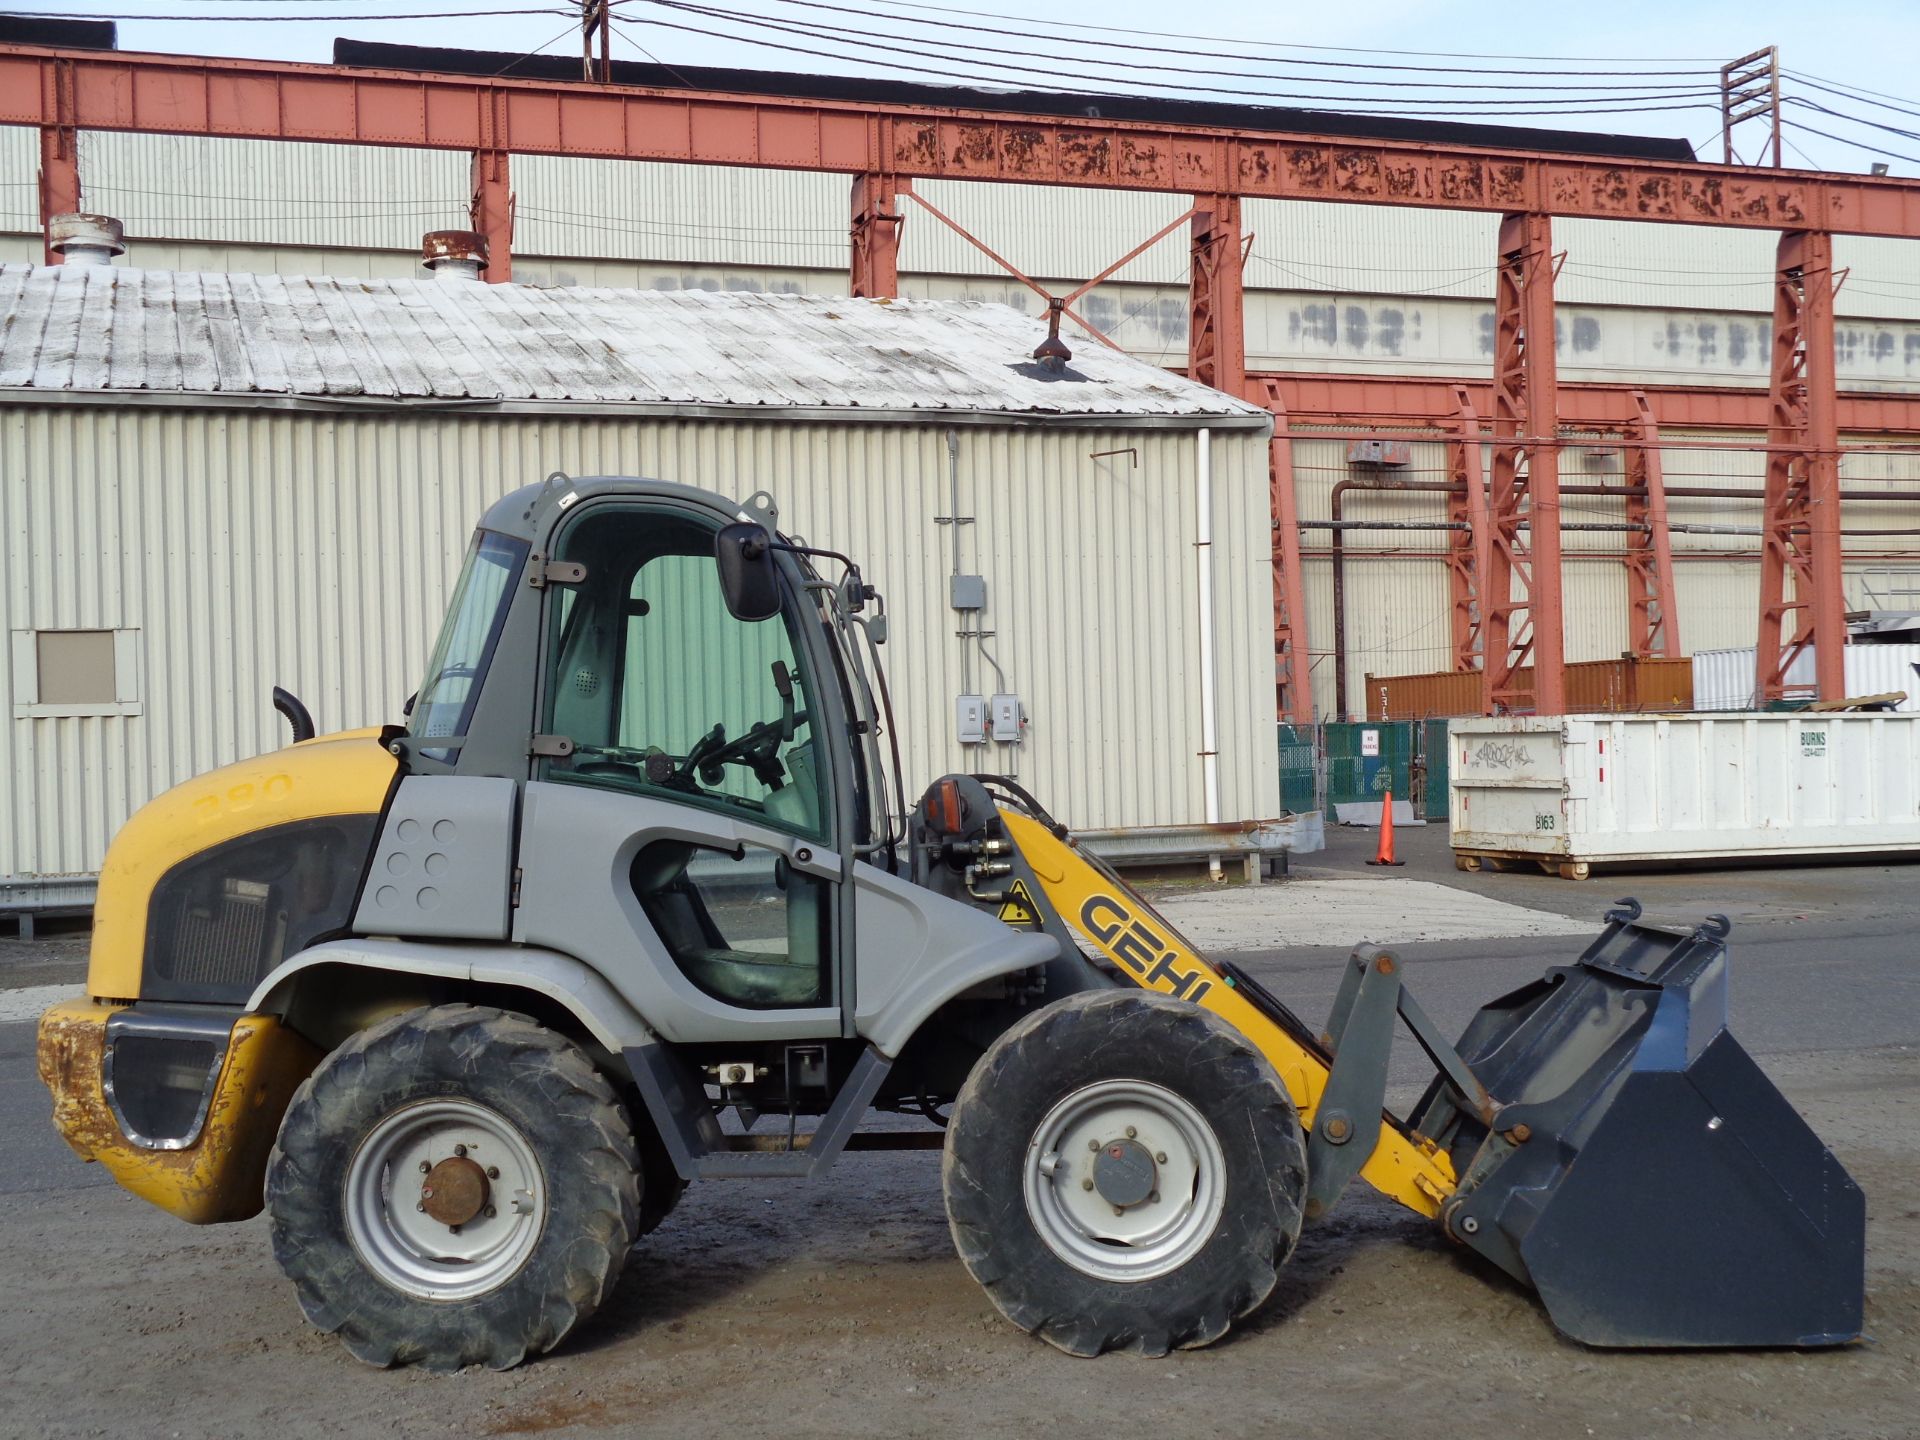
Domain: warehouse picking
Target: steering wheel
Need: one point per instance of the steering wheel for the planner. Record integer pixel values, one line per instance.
(758, 749)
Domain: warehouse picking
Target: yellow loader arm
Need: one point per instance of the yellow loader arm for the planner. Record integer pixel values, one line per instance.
(1129, 932)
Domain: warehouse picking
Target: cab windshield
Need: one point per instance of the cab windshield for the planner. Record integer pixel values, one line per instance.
(444, 707)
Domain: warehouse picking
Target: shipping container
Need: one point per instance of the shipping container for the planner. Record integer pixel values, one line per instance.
(1723, 679)
(1571, 792)
(1594, 687)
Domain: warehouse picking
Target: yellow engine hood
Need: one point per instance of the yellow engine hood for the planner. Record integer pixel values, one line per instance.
(349, 773)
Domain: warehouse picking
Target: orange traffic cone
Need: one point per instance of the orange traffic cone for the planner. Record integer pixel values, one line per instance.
(1385, 856)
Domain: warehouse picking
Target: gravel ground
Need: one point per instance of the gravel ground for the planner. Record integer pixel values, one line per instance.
(838, 1307)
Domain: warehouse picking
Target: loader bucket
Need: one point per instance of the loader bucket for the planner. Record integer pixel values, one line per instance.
(1638, 1169)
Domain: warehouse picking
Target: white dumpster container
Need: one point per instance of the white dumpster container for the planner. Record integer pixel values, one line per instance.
(1570, 792)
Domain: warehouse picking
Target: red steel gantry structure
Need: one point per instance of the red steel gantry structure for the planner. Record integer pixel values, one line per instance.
(1505, 571)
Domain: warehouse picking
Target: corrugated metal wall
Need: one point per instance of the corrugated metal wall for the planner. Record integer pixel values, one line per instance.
(1397, 595)
(19, 187)
(253, 548)
(264, 193)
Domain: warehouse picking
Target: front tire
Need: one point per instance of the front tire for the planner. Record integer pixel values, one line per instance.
(1123, 1171)
(454, 1186)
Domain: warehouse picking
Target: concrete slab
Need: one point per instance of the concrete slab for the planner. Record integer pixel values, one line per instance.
(1339, 912)
(27, 1003)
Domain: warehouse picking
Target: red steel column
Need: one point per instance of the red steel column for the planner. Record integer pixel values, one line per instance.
(492, 211)
(1466, 548)
(1653, 610)
(877, 220)
(59, 151)
(1802, 525)
(1294, 697)
(1524, 498)
(1216, 303)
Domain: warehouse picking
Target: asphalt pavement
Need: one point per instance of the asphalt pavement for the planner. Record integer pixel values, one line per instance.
(1823, 958)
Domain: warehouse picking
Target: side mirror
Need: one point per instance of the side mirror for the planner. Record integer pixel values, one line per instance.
(748, 580)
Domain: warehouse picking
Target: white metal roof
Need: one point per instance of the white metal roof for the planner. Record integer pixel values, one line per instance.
(76, 330)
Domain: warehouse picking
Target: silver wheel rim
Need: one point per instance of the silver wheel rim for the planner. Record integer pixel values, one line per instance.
(407, 1248)
(1141, 1239)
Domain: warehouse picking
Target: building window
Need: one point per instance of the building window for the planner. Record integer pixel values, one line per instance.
(75, 672)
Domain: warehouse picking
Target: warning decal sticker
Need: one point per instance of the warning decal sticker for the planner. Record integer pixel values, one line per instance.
(1019, 907)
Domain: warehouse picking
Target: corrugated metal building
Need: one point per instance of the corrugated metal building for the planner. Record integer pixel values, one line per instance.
(1347, 289)
(216, 484)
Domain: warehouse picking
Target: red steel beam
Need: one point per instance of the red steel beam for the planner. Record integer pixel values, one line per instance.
(1294, 698)
(874, 266)
(491, 209)
(1314, 399)
(278, 100)
(1466, 548)
(1521, 587)
(59, 148)
(1653, 614)
(1801, 528)
(1216, 297)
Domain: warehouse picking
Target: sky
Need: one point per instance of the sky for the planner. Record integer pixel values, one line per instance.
(1851, 45)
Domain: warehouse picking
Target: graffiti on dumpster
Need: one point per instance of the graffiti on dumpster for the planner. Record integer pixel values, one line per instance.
(1503, 754)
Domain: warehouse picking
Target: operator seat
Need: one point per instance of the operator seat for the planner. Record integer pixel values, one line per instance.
(672, 901)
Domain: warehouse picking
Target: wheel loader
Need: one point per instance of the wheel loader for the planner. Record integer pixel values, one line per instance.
(633, 898)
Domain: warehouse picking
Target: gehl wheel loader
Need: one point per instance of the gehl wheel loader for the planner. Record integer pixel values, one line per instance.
(466, 1003)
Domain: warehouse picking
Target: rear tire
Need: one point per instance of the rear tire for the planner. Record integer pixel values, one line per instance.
(1190, 1212)
(537, 1202)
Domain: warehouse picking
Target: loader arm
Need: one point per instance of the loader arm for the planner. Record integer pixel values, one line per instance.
(1118, 922)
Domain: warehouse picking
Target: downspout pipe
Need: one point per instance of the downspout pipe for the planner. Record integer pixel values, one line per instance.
(1203, 550)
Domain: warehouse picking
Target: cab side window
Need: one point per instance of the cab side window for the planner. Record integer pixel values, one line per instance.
(662, 691)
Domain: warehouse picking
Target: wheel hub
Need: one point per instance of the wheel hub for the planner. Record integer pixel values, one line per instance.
(1124, 1173)
(445, 1199)
(454, 1191)
(1124, 1180)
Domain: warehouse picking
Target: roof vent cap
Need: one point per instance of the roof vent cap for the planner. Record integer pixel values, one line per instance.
(455, 256)
(86, 239)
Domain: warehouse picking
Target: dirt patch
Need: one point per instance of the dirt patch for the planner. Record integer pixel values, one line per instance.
(838, 1308)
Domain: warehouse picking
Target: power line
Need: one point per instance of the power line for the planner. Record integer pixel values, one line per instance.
(273, 19)
(1240, 54)
(1714, 60)
(1347, 105)
(844, 35)
(1853, 92)
(1860, 145)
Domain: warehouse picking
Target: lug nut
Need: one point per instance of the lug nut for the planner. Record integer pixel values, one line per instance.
(1118, 1211)
(1086, 1184)
(1153, 1197)
(490, 1212)
(1159, 1157)
(459, 1149)
(419, 1206)
(1132, 1133)
(493, 1172)
(1093, 1145)
(425, 1166)
(453, 1229)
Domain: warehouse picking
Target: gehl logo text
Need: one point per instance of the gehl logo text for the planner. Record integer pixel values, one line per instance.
(1135, 946)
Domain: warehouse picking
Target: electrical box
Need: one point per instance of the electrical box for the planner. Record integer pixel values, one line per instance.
(1009, 719)
(970, 716)
(1379, 452)
(969, 592)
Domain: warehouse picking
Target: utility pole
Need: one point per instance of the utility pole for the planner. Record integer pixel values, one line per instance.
(1750, 90)
(596, 15)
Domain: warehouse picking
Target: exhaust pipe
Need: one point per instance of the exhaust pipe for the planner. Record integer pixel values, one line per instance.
(298, 716)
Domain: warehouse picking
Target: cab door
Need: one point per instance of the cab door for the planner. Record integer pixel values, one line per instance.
(679, 832)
